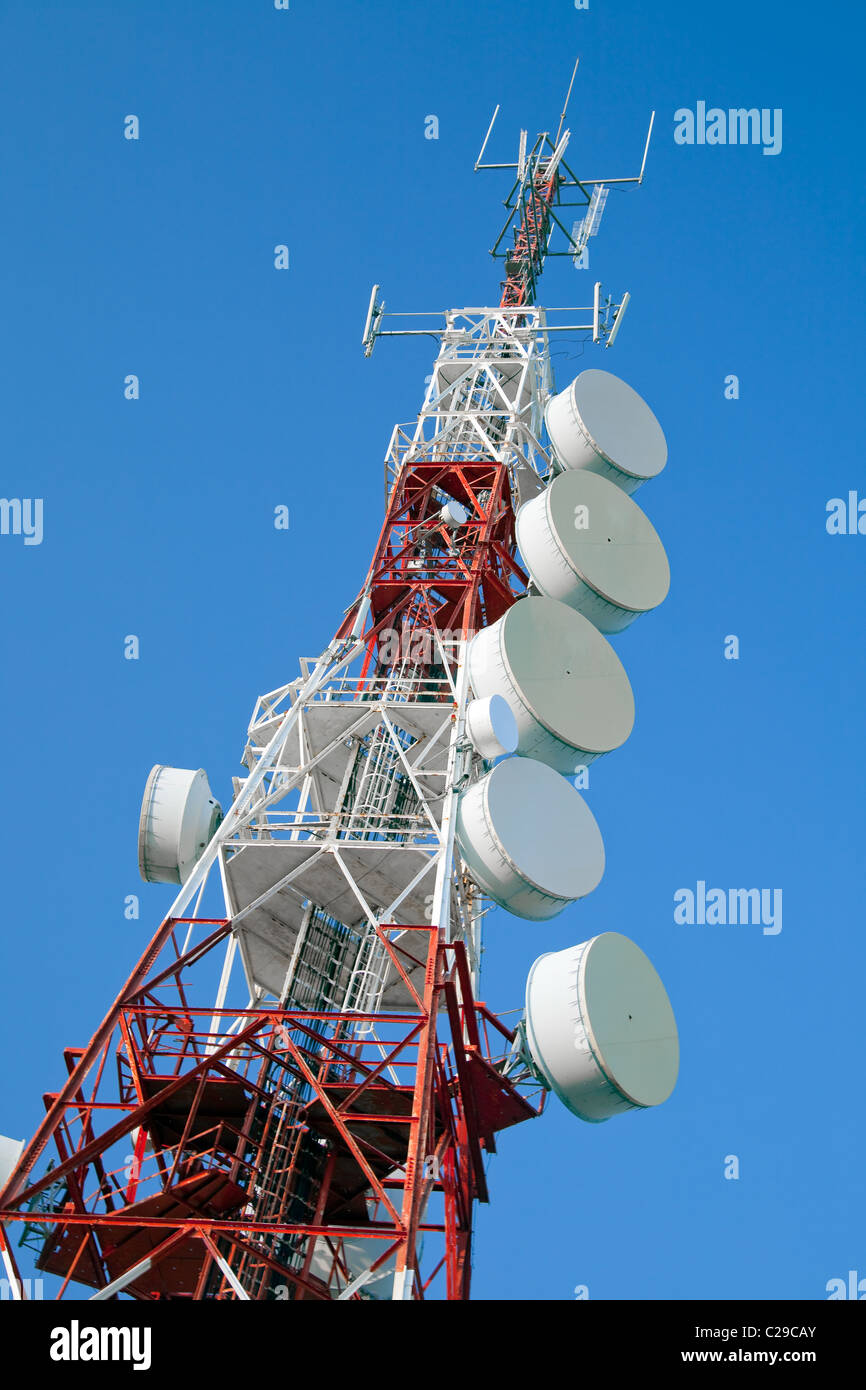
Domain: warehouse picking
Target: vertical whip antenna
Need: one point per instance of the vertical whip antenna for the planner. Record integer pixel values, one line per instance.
(567, 99)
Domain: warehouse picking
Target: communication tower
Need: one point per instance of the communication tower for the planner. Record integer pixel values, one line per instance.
(295, 1092)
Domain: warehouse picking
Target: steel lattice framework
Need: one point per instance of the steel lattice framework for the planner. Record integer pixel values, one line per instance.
(327, 1137)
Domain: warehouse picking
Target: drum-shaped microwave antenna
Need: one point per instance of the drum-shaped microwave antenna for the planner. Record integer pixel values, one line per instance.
(529, 839)
(10, 1152)
(491, 726)
(357, 1255)
(178, 818)
(564, 682)
(600, 1028)
(586, 543)
(600, 423)
(453, 514)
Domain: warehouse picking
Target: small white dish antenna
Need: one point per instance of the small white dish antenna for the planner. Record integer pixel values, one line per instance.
(10, 1152)
(491, 727)
(454, 514)
(179, 816)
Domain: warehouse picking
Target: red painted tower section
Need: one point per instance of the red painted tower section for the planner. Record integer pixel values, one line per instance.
(191, 1164)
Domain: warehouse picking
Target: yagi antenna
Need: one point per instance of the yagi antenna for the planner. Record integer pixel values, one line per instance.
(596, 208)
(582, 231)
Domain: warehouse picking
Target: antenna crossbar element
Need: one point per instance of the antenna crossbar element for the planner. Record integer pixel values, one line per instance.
(634, 178)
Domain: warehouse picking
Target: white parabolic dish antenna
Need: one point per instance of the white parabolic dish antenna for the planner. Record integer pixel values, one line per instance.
(586, 543)
(178, 818)
(600, 1027)
(529, 839)
(491, 727)
(566, 686)
(358, 1256)
(600, 423)
(10, 1152)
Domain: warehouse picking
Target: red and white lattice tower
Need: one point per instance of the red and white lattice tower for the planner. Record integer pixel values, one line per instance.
(294, 1093)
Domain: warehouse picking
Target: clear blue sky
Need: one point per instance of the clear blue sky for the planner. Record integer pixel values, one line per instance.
(155, 257)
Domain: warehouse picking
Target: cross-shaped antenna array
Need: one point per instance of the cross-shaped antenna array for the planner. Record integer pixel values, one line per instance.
(544, 185)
